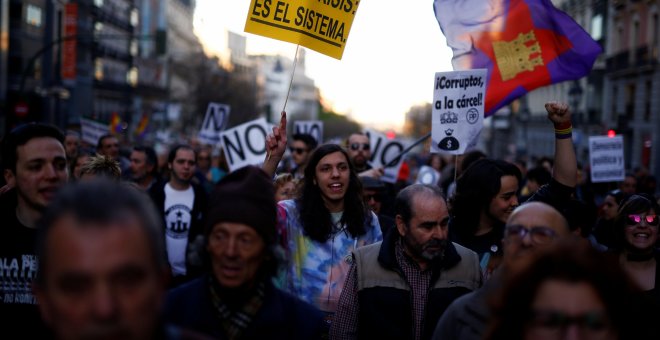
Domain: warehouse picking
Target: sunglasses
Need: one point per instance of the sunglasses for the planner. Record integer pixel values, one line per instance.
(298, 150)
(634, 219)
(356, 146)
(376, 197)
(538, 235)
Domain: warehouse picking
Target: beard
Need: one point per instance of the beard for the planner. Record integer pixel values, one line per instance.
(427, 251)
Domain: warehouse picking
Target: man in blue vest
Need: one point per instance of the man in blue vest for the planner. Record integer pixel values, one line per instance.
(399, 288)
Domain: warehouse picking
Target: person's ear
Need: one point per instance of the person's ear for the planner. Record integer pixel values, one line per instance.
(400, 225)
(10, 178)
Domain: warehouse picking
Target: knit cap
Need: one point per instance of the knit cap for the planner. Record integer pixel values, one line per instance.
(245, 196)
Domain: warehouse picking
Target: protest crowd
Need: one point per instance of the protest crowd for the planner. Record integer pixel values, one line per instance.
(123, 242)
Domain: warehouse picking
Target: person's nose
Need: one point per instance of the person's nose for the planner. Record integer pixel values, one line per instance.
(104, 303)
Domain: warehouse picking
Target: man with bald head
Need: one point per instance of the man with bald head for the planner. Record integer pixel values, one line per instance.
(530, 227)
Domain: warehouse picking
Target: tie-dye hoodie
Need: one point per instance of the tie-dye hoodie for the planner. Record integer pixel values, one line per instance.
(314, 271)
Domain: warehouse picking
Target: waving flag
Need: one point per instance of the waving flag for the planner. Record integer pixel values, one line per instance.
(141, 128)
(524, 44)
(115, 123)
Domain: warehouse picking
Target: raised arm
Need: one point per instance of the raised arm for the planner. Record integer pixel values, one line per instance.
(565, 168)
(275, 147)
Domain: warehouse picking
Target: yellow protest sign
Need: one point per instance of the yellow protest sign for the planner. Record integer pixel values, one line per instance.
(321, 25)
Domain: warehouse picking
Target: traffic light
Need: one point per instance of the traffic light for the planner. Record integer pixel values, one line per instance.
(611, 133)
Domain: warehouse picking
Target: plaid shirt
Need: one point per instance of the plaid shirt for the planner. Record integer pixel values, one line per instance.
(345, 322)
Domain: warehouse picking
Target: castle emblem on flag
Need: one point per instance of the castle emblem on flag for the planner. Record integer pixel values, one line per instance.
(517, 56)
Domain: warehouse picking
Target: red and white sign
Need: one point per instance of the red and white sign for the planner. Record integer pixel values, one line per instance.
(68, 68)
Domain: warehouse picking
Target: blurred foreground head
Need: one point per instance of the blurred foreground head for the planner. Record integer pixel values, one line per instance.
(565, 291)
(102, 264)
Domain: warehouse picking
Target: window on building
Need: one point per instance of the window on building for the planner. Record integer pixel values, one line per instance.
(630, 102)
(132, 76)
(33, 15)
(597, 27)
(615, 100)
(98, 69)
(647, 105)
(135, 17)
(655, 36)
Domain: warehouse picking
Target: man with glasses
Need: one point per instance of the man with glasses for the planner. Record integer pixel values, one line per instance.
(359, 151)
(301, 148)
(530, 227)
(373, 192)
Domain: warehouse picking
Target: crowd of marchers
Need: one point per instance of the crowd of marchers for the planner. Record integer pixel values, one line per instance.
(313, 244)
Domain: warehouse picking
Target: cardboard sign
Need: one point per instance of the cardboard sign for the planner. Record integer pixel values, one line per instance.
(386, 154)
(214, 123)
(458, 110)
(320, 25)
(92, 131)
(245, 144)
(310, 127)
(427, 175)
(606, 159)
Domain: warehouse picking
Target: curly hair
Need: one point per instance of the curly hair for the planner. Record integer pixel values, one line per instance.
(315, 216)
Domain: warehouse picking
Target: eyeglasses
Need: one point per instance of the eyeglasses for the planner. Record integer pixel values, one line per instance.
(538, 235)
(298, 150)
(376, 197)
(591, 324)
(634, 219)
(356, 146)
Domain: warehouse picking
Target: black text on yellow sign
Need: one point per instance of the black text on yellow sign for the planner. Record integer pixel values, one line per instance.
(321, 25)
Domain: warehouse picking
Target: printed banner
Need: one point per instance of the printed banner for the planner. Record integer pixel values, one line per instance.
(322, 26)
(245, 144)
(92, 131)
(310, 127)
(386, 154)
(458, 110)
(214, 123)
(606, 159)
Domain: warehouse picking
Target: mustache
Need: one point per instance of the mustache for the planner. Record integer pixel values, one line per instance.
(435, 243)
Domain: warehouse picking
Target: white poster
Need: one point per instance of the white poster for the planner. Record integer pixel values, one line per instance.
(310, 127)
(458, 110)
(427, 175)
(606, 158)
(215, 121)
(386, 154)
(92, 131)
(245, 144)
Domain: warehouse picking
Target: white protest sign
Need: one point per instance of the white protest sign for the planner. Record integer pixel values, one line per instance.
(384, 152)
(606, 158)
(458, 110)
(92, 131)
(214, 123)
(427, 175)
(245, 144)
(310, 127)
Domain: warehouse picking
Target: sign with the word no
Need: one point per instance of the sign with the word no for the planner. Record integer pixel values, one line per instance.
(215, 121)
(310, 127)
(245, 144)
(386, 154)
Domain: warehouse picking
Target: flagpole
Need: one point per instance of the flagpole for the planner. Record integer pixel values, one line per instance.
(295, 62)
(404, 151)
(286, 99)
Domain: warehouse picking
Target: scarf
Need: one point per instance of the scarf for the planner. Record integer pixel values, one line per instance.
(236, 319)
